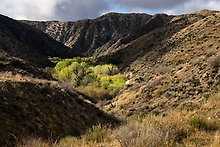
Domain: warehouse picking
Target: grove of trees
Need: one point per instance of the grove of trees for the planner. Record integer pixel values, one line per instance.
(96, 81)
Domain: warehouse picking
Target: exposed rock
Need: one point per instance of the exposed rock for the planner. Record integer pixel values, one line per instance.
(88, 35)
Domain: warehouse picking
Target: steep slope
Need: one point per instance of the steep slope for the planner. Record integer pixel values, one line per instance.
(21, 40)
(33, 105)
(172, 67)
(155, 22)
(87, 35)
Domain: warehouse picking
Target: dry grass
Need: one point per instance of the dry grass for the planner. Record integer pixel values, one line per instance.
(179, 128)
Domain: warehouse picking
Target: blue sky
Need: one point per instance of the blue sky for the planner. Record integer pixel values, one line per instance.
(71, 10)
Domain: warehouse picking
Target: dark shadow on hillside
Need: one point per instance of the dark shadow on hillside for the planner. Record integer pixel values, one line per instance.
(44, 111)
(23, 41)
(15, 66)
(147, 40)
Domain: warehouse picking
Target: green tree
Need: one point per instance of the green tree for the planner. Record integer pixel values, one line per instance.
(79, 71)
(98, 81)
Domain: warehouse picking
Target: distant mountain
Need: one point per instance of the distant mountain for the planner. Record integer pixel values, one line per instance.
(21, 40)
(90, 34)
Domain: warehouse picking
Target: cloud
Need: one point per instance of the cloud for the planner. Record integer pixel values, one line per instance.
(28, 9)
(52, 9)
(75, 9)
(168, 6)
(81, 9)
(195, 5)
(148, 4)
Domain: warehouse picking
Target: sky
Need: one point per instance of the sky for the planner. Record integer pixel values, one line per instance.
(71, 10)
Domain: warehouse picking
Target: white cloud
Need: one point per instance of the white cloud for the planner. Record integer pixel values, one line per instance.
(52, 9)
(75, 9)
(28, 9)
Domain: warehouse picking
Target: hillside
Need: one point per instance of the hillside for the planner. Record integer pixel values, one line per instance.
(23, 41)
(88, 35)
(34, 105)
(173, 67)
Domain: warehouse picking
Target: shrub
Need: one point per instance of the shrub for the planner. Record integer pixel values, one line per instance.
(79, 71)
(107, 69)
(215, 62)
(113, 83)
(95, 134)
(63, 64)
(202, 124)
(88, 79)
(94, 92)
(63, 74)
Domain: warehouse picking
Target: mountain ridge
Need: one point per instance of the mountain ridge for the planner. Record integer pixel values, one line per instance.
(21, 40)
(89, 34)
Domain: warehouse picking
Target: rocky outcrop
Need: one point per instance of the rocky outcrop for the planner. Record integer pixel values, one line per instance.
(88, 35)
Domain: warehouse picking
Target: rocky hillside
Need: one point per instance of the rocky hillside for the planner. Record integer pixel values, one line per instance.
(23, 41)
(172, 67)
(88, 35)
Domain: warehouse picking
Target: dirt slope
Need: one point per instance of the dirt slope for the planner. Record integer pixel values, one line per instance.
(172, 67)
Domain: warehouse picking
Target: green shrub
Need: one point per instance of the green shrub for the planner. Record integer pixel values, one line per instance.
(94, 92)
(106, 69)
(113, 83)
(95, 134)
(63, 64)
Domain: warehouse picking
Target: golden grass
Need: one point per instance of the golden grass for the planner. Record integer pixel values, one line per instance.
(174, 129)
